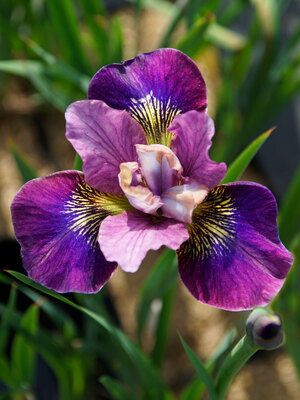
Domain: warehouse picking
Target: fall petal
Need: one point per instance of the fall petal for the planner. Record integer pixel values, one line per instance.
(234, 259)
(126, 238)
(56, 220)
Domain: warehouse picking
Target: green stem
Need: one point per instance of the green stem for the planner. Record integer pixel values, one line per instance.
(235, 360)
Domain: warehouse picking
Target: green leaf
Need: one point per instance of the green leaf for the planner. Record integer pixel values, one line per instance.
(239, 165)
(287, 303)
(145, 374)
(267, 13)
(23, 353)
(4, 327)
(26, 171)
(96, 19)
(41, 77)
(59, 317)
(162, 6)
(5, 372)
(67, 28)
(175, 18)
(163, 326)
(59, 69)
(194, 40)
(116, 40)
(232, 11)
(195, 389)
(201, 370)
(289, 224)
(78, 163)
(116, 389)
(160, 280)
(226, 38)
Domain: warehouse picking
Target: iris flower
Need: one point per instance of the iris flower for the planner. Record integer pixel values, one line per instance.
(148, 181)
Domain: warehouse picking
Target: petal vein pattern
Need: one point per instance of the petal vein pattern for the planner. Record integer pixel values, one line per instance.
(86, 209)
(234, 258)
(213, 225)
(154, 116)
(56, 221)
(153, 87)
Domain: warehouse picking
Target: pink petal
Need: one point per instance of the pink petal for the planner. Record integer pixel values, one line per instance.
(126, 238)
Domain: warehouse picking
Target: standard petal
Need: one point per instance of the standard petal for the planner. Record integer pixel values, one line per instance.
(193, 132)
(56, 221)
(104, 138)
(153, 88)
(126, 238)
(234, 259)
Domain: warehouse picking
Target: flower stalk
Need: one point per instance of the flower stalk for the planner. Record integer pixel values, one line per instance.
(237, 358)
(264, 332)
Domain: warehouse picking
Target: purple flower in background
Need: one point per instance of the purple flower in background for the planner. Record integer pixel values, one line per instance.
(148, 181)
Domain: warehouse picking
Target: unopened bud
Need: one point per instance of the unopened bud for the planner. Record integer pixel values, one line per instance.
(264, 329)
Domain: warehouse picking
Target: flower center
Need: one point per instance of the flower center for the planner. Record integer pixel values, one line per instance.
(156, 185)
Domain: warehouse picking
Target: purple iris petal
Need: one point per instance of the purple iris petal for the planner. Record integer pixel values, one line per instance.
(56, 221)
(126, 238)
(193, 132)
(104, 138)
(153, 88)
(234, 259)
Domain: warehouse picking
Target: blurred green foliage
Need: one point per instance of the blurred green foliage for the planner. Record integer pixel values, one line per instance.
(58, 45)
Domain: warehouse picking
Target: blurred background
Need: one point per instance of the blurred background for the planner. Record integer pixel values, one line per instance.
(249, 54)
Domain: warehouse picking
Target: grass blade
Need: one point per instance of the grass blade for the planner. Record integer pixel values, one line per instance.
(116, 40)
(23, 353)
(225, 38)
(163, 326)
(145, 374)
(59, 69)
(96, 19)
(195, 389)
(67, 29)
(193, 41)
(26, 171)
(289, 224)
(41, 77)
(161, 279)
(201, 370)
(239, 165)
(116, 389)
(10, 307)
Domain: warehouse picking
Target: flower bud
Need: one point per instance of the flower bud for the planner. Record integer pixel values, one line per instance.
(264, 329)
